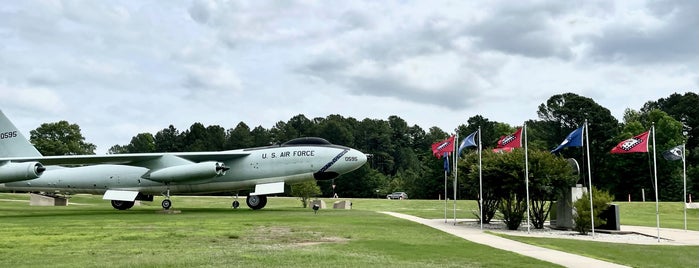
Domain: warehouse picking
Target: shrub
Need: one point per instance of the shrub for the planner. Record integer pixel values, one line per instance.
(513, 211)
(581, 214)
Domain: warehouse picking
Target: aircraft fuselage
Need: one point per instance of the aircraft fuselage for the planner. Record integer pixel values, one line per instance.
(289, 164)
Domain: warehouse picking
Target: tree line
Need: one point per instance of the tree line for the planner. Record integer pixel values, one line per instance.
(401, 159)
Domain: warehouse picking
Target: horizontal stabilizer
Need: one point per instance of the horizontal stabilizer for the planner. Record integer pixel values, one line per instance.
(269, 188)
(120, 195)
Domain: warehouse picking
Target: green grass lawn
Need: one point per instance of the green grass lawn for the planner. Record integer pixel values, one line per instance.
(671, 215)
(660, 256)
(208, 233)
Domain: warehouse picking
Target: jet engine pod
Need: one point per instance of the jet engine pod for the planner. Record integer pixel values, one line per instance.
(10, 172)
(221, 169)
(188, 173)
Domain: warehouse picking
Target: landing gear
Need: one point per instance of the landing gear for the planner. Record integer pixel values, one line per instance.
(256, 202)
(235, 204)
(166, 203)
(122, 205)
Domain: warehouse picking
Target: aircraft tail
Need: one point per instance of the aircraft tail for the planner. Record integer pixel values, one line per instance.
(12, 142)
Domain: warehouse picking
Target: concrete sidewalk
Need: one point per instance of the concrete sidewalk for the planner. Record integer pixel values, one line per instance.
(668, 236)
(480, 237)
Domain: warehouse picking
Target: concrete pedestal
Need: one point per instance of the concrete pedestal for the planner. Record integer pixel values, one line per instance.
(321, 204)
(42, 200)
(564, 207)
(342, 205)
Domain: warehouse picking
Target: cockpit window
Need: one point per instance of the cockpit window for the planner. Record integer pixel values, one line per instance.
(307, 141)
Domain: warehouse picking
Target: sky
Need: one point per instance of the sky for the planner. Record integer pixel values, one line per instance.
(119, 68)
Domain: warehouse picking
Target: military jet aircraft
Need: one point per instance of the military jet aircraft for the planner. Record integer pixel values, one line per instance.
(125, 178)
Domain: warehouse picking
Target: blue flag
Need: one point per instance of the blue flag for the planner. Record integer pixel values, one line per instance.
(469, 141)
(574, 139)
(446, 162)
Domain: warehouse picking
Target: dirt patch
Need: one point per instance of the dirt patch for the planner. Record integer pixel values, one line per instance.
(290, 236)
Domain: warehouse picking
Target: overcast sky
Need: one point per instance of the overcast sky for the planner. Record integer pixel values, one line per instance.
(119, 69)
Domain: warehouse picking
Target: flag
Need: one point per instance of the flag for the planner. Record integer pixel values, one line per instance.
(574, 139)
(513, 140)
(469, 141)
(674, 154)
(445, 146)
(446, 162)
(638, 144)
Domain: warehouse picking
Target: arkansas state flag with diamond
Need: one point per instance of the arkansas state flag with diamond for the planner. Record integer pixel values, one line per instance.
(638, 144)
(513, 140)
(442, 147)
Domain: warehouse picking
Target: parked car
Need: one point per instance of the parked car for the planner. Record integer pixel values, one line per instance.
(397, 195)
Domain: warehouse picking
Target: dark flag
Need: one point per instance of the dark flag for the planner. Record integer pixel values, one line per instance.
(574, 139)
(446, 162)
(469, 141)
(674, 154)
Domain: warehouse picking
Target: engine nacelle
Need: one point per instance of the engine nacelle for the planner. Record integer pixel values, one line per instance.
(190, 172)
(10, 172)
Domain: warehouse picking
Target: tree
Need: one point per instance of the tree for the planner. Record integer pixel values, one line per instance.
(563, 113)
(550, 177)
(60, 138)
(260, 137)
(684, 109)
(141, 143)
(304, 191)
(169, 140)
(668, 134)
(298, 126)
(239, 137)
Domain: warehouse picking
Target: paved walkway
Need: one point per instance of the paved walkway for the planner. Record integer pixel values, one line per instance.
(678, 237)
(480, 237)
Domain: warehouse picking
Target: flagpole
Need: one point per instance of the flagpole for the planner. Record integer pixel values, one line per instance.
(480, 176)
(526, 172)
(684, 175)
(589, 177)
(655, 174)
(456, 171)
(445, 191)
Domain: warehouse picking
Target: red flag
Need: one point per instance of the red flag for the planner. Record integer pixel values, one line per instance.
(638, 144)
(511, 141)
(445, 146)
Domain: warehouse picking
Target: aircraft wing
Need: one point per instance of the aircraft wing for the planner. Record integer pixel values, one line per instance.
(127, 159)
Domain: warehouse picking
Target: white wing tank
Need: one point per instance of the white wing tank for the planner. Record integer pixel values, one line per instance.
(188, 173)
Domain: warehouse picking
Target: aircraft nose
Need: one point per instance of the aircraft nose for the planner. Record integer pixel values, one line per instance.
(346, 161)
(354, 159)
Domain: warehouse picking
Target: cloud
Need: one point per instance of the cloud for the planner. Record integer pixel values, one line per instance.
(662, 32)
(212, 78)
(525, 30)
(132, 65)
(24, 98)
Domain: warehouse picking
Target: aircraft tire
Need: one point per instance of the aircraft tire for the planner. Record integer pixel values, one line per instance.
(256, 202)
(235, 204)
(166, 204)
(122, 205)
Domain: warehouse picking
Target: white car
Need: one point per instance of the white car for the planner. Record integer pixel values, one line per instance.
(397, 195)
